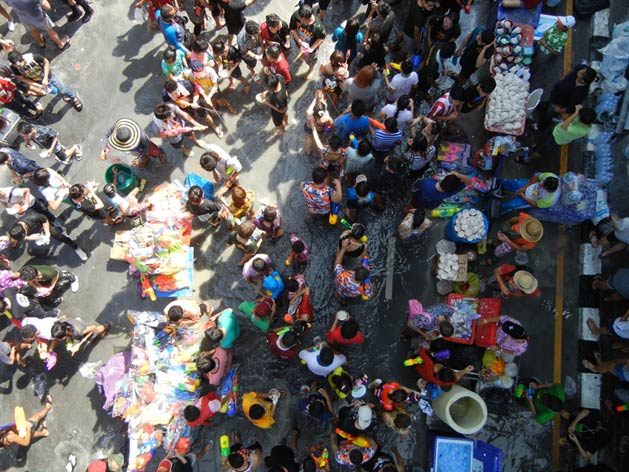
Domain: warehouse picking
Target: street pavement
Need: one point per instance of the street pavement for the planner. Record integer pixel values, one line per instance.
(114, 64)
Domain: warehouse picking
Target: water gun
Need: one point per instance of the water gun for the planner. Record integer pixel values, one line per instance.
(334, 213)
(481, 246)
(366, 285)
(441, 355)
(321, 457)
(359, 441)
(345, 222)
(624, 407)
(413, 361)
(224, 443)
(165, 337)
(233, 401)
(147, 289)
(353, 141)
(49, 357)
(519, 391)
(445, 211)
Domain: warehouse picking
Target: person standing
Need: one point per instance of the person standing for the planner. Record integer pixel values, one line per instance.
(308, 33)
(127, 136)
(76, 14)
(32, 15)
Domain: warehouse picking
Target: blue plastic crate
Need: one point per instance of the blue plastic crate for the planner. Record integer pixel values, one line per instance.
(489, 455)
(453, 454)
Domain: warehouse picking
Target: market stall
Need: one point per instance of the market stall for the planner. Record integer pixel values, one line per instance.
(158, 251)
(160, 381)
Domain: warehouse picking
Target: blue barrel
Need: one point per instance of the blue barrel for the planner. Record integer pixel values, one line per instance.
(452, 236)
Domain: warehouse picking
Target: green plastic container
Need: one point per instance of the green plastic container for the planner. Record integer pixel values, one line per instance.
(126, 179)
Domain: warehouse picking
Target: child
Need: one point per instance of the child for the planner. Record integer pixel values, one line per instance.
(276, 98)
(347, 37)
(224, 167)
(129, 206)
(299, 253)
(419, 156)
(85, 200)
(269, 221)
(228, 63)
(47, 139)
(334, 73)
(275, 62)
(204, 209)
(174, 63)
(204, 77)
(241, 205)
(202, 52)
(245, 239)
(332, 155)
(317, 117)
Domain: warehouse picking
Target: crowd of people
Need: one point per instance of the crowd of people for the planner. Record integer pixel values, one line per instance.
(383, 103)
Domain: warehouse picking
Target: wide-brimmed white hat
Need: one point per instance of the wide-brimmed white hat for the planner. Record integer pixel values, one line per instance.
(126, 135)
(525, 281)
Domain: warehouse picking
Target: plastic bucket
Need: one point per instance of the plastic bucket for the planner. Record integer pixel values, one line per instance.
(534, 98)
(126, 179)
(452, 236)
(461, 409)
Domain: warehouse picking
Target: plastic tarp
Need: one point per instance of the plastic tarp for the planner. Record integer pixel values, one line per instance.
(615, 61)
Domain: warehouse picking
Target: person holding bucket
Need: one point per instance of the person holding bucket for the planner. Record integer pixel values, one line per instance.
(127, 136)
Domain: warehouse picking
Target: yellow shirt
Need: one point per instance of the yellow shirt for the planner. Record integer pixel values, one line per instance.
(250, 399)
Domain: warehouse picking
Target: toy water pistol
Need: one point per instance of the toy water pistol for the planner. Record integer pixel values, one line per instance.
(624, 407)
(147, 289)
(49, 357)
(359, 441)
(233, 401)
(441, 355)
(334, 213)
(445, 211)
(519, 391)
(321, 457)
(413, 361)
(224, 443)
(353, 141)
(345, 222)
(165, 337)
(366, 285)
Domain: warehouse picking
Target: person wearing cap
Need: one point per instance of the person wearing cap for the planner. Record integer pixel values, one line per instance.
(520, 233)
(429, 322)
(204, 409)
(351, 284)
(127, 136)
(511, 338)
(261, 312)
(512, 281)
(321, 359)
(357, 419)
(555, 38)
(345, 330)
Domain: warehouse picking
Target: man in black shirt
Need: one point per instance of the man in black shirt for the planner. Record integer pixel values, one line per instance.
(36, 227)
(357, 420)
(206, 210)
(475, 96)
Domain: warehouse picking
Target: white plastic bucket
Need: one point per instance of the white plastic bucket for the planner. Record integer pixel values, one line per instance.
(534, 98)
(461, 409)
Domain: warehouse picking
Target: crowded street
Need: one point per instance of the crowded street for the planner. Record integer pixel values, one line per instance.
(244, 235)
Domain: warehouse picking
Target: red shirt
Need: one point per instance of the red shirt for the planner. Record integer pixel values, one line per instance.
(206, 413)
(282, 68)
(335, 337)
(271, 339)
(426, 369)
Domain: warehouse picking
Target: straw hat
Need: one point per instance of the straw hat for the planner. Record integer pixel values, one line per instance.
(126, 135)
(525, 281)
(531, 230)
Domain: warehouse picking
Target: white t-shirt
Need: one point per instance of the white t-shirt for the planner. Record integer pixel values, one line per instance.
(403, 117)
(402, 85)
(226, 163)
(310, 358)
(621, 328)
(622, 230)
(43, 325)
(55, 187)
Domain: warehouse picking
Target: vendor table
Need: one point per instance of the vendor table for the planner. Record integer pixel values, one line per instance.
(527, 16)
(471, 332)
(570, 214)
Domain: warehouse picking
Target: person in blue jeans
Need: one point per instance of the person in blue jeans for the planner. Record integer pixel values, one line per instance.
(34, 70)
(540, 191)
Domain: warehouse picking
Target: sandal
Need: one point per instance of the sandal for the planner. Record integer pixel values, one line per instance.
(71, 464)
(275, 395)
(79, 152)
(77, 103)
(66, 44)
